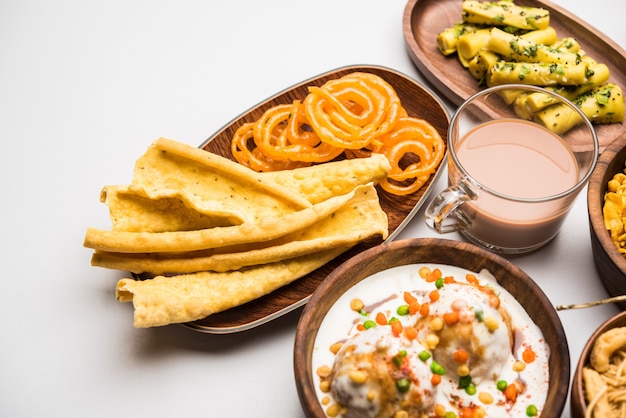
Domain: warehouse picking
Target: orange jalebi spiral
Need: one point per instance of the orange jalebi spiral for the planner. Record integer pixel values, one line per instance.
(268, 131)
(411, 136)
(416, 136)
(357, 115)
(403, 188)
(306, 144)
(298, 129)
(280, 134)
(246, 153)
(331, 113)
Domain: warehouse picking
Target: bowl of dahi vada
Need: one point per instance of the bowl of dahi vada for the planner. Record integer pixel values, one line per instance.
(599, 381)
(428, 327)
(606, 204)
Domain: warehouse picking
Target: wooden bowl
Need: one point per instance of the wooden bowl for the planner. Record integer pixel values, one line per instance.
(611, 265)
(578, 404)
(440, 251)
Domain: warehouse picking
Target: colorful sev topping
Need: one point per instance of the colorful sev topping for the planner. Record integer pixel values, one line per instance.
(438, 345)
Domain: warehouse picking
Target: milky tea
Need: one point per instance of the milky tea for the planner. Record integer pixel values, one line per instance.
(519, 159)
(511, 181)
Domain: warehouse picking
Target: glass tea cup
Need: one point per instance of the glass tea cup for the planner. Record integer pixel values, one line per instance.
(518, 155)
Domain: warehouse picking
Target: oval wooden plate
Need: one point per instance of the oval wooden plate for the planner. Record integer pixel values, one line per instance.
(423, 20)
(418, 102)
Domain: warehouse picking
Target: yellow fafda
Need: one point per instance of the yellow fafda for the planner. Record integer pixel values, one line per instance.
(228, 234)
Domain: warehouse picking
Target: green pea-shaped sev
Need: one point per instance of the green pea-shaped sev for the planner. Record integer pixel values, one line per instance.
(403, 310)
(437, 368)
(403, 384)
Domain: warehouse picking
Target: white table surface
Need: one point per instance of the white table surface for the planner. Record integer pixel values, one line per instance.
(85, 87)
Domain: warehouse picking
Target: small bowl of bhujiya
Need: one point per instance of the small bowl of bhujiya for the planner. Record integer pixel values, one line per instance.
(599, 382)
(606, 202)
(427, 327)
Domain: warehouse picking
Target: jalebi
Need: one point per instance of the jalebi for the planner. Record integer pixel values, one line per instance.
(280, 134)
(410, 137)
(413, 135)
(331, 111)
(357, 115)
(247, 153)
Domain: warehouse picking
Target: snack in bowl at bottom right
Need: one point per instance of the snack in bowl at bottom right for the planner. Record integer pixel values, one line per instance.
(599, 382)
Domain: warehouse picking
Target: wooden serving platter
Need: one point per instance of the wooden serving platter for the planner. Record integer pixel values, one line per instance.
(419, 102)
(423, 20)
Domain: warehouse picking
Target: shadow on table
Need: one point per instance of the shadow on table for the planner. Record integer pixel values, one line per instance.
(160, 341)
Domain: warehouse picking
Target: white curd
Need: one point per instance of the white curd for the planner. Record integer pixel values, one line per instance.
(471, 333)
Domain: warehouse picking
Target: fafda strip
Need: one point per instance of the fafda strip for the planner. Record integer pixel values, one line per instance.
(225, 254)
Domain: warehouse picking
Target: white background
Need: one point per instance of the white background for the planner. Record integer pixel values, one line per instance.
(85, 87)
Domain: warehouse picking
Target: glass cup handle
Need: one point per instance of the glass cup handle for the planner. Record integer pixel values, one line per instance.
(442, 213)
